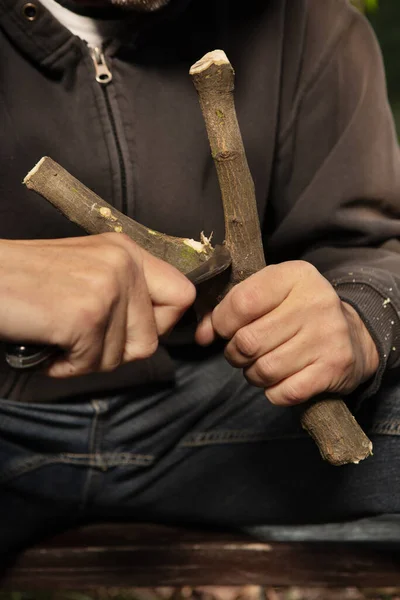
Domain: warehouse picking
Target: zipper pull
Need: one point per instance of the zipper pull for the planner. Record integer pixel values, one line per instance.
(103, 73)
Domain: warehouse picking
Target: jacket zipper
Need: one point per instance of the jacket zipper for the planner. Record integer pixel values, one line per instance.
(104, 77)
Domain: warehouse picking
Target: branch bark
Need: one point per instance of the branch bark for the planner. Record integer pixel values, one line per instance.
(213, 78)
(339, 437)
(85, 208)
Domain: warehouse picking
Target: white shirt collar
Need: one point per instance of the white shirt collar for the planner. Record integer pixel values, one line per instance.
(94, 31)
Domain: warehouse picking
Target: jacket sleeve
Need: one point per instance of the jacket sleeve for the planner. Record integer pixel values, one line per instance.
(336, 191)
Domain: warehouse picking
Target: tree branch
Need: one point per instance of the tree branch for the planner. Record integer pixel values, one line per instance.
(85, 208)
(213, 77)
(339, 437)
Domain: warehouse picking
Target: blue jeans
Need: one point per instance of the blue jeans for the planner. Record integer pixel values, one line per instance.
(207, 449)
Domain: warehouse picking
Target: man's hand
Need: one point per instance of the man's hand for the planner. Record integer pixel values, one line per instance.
(291, 334)
(100, 298)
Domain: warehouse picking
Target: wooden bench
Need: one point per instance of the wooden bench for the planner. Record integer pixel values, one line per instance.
(121, 555)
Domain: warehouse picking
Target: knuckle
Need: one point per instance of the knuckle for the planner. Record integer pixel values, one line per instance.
(246, 342)
(304, 268)
(105, 285)
(111, 237)
(91, 315)
(124, 238)
(329, 301)
(296, 393)
(106, 238)
(336, 329)
(118, 258)
(243, 301)
(344, 358)
(265, 368)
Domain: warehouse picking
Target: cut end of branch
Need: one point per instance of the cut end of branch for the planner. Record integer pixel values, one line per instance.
(368, 452)
(339, 437)
(216, 57)
(33, 171)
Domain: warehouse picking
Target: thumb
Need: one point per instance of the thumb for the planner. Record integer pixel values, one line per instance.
(170, 291)
(205, 333)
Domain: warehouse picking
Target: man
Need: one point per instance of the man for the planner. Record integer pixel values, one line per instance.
(125, 425)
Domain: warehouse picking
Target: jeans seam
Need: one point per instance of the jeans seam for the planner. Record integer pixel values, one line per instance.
(30, 465)
(93, 443)
(80, 460)
(109, 456)
(241, 436)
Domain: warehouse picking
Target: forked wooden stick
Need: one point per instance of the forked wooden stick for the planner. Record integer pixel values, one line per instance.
(337, 434)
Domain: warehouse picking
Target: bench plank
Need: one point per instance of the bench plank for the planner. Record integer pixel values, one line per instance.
(121, 555)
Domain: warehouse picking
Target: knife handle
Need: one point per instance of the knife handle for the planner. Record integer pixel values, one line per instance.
(29, 356)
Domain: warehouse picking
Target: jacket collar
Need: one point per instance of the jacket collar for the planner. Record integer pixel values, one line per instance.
(37, 34)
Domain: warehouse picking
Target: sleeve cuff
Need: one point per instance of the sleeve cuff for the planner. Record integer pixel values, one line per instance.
(383, 323)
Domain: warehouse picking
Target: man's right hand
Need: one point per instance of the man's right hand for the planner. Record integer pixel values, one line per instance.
(101, 298)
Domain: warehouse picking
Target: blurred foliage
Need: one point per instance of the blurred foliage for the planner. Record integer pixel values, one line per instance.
(365, 5)
(371, 5)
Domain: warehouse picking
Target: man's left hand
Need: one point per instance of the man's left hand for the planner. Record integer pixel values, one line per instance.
(292, 335)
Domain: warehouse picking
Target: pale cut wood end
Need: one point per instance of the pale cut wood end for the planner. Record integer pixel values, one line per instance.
(216, 57)
(33, 171)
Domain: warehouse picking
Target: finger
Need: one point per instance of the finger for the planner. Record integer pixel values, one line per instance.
(83, 358)
(61, 369)
(65, 368)
(205, 333)
(284, 361)
(299, 387)
(170, 291)
(83, 339)
(262, 336)
(141, 329)
(141, 338)
(115, 337)
(249, 300)
(167, 285)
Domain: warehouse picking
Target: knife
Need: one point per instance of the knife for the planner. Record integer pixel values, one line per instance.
(29, 356)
